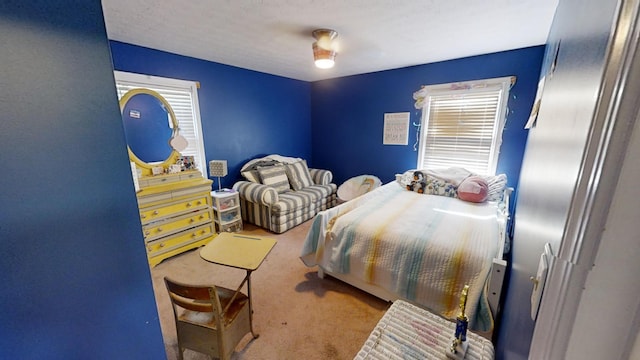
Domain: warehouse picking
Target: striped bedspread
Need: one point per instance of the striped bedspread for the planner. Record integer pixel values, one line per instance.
(424, 248)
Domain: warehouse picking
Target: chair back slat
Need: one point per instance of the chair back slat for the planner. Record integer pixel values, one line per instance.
(193, 297)
(188, 291)
(189, 304)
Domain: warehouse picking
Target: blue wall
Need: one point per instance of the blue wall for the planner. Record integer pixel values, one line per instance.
(336, 124)
(245, 114)
(348, 112)
(76, 280)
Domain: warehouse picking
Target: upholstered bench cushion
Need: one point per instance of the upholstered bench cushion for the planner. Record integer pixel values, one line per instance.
(407, 331)
(293, 201)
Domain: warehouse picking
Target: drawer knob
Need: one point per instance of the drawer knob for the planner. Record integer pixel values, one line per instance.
(188, 204)
(161, 245)
(143, 216)
(147, 232)
(192, 221)
(155, 212)
(159, 229)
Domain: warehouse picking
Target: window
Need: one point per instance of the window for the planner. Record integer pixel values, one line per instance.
(183, 97)
(462, 124)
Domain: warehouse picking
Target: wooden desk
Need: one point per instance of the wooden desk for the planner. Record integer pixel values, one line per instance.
(242, 252)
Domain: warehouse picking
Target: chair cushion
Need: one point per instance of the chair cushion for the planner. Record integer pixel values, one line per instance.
(275, 176)
(295, 200)
(298, 174)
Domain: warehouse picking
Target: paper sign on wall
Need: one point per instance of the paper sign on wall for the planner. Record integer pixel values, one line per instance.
(396, 129)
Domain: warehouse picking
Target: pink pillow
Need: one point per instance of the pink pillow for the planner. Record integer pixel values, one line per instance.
(473, 189)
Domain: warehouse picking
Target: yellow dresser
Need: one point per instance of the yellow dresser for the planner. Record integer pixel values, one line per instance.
(175, 212)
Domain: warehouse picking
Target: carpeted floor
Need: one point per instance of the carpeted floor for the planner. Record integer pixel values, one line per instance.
(297, 315)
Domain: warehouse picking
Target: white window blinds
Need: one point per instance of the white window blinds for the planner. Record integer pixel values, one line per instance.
(183, 97)
(462, 125)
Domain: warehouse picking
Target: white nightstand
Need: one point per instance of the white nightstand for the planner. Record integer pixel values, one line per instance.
(226, 210)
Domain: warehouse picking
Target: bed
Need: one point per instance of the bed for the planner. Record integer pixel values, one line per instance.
(421, 247)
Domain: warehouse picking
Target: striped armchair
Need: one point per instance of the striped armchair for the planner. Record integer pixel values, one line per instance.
(264, 206)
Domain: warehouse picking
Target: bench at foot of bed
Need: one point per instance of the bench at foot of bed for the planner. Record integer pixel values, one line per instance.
(407, 329)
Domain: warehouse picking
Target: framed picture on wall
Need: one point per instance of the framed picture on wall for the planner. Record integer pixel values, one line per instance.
(396, 129)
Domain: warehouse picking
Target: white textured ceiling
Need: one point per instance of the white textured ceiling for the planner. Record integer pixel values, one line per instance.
(274, 36)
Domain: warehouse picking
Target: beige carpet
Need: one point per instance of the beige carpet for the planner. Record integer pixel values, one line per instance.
(297, 315)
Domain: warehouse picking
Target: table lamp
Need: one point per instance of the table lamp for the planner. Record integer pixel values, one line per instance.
(218, 168)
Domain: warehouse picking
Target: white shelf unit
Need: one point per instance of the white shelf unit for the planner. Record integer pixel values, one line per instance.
(226, 210)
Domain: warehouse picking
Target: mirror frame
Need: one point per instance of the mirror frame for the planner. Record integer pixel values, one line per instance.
(173, 157)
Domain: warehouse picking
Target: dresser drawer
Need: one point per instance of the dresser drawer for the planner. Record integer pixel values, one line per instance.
(152, 214)
(154, 181)
(190, 175)
(159, 229)
(171, 243)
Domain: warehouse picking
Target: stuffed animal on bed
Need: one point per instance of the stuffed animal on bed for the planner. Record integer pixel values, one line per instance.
(419, 182)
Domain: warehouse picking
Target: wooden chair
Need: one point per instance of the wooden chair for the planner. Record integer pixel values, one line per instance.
(209, 319)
